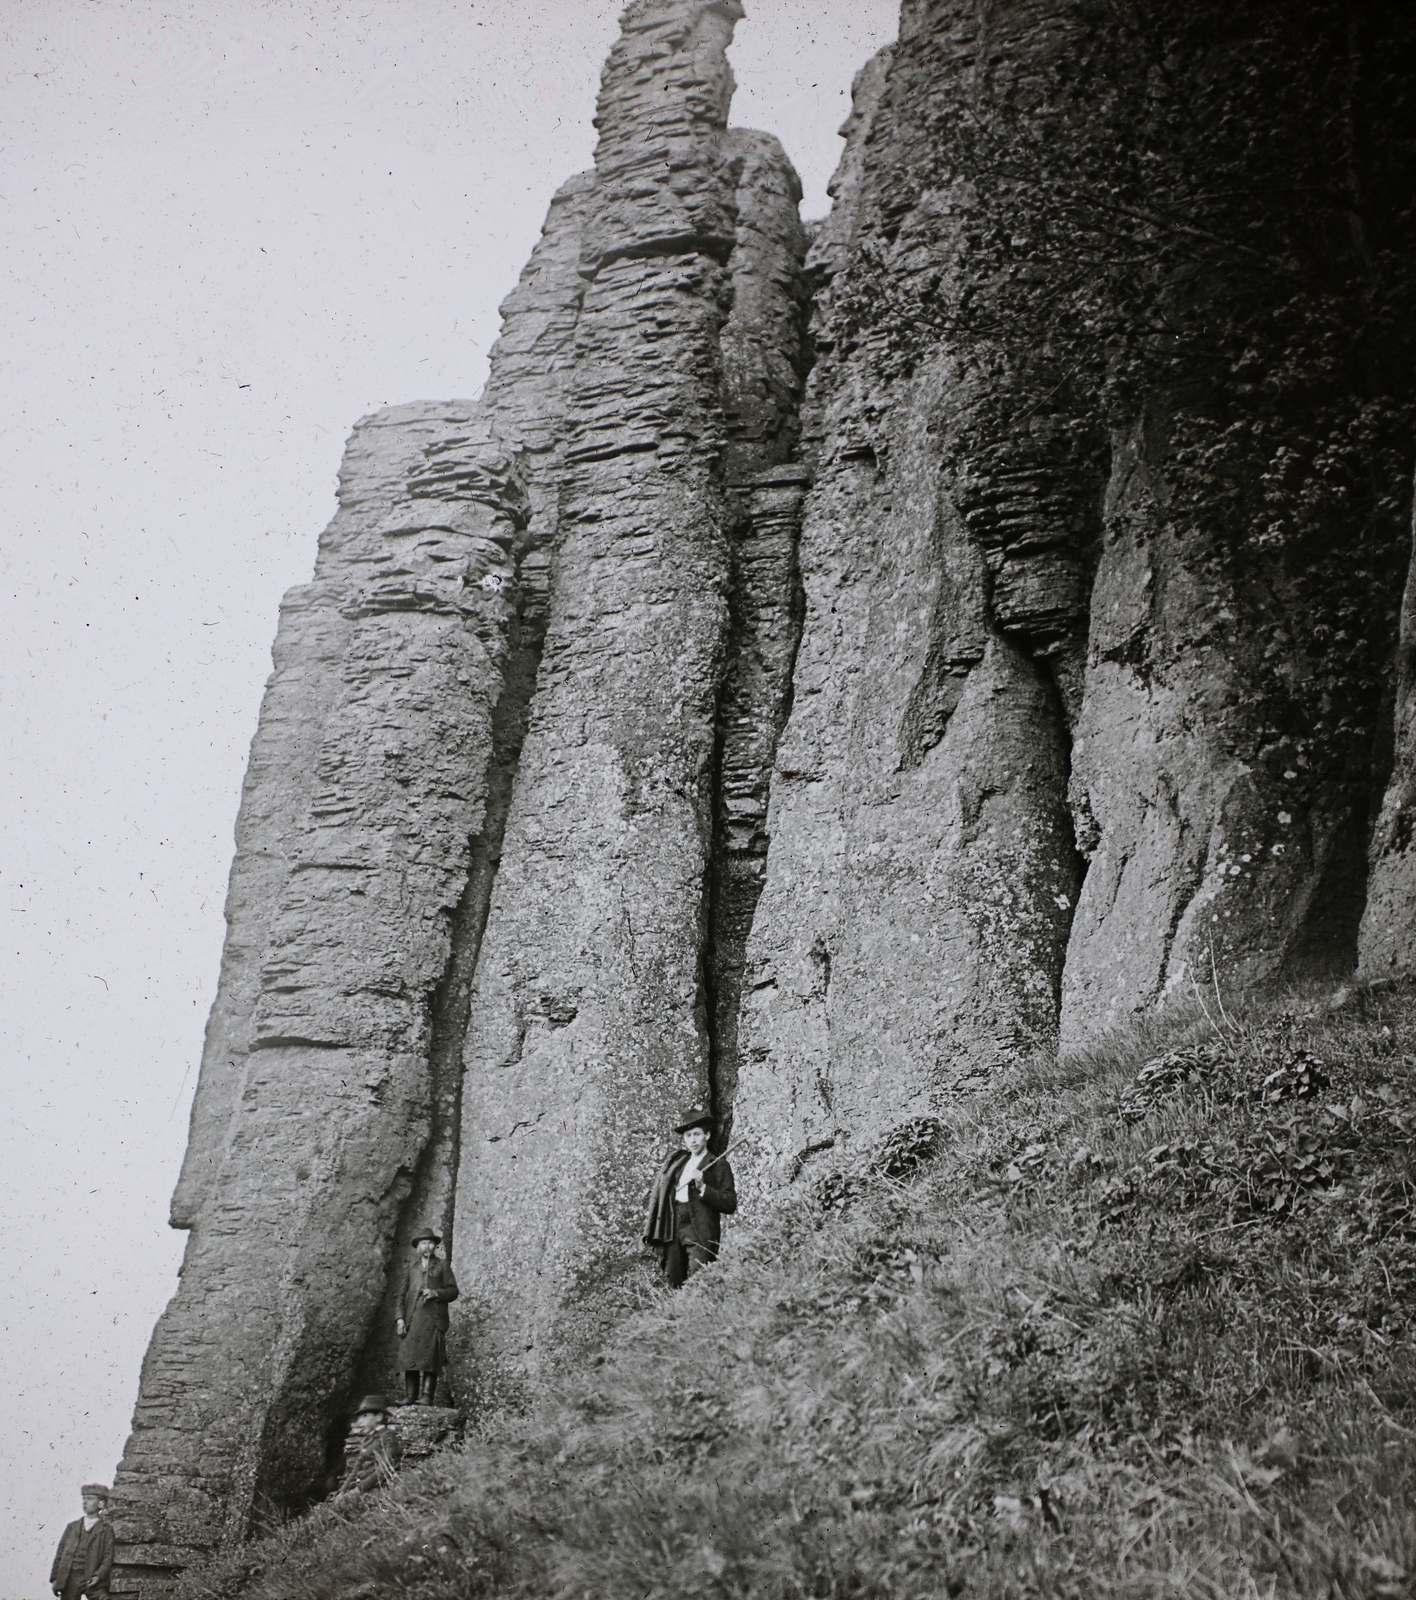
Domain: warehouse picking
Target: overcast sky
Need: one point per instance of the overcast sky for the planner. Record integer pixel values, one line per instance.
(228, 228)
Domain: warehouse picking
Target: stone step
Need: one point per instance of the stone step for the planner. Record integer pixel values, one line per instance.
(423, 1429)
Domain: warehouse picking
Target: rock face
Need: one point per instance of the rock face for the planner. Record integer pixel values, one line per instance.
(589, 1028)
(368, 784)
(820, 673)
(1090, 705)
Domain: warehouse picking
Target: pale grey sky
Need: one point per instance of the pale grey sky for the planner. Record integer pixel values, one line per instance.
(228, 228)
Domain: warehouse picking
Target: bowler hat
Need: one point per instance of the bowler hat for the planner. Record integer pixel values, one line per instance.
(695, 1119)
(100, 1491)
(371, 1402)
(427, 1233)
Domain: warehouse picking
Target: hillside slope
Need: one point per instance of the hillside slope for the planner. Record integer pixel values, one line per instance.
(1144, 1330)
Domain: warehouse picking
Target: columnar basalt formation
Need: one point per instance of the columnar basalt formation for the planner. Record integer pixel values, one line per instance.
(1106, 437)
(810, 681)
(447, 531)
(524, 404)
(368, 780)
(590, 1026)
(765, 362)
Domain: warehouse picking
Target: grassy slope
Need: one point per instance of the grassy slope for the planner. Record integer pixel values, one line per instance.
(1109, 1338)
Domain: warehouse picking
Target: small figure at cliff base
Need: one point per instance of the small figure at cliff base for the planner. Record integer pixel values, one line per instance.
(428, 1288)
(372, 1449)
(693, 1191)
(83, 1563)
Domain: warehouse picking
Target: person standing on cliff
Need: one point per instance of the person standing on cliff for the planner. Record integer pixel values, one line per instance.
(693, 1191)
(83, 1563)
(427, 1290)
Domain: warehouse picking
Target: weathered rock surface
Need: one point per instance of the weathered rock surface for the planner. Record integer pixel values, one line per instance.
(424, 1429)
(316, 1113)
(1226, 841)
(524, 403)
(922, 872)
(675, 726)
(589, 1027)
(1012, 469)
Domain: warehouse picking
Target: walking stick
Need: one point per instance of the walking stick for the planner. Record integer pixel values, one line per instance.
(747, 1138)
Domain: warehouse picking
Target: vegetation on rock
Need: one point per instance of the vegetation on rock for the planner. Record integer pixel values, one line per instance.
(1143, 1331)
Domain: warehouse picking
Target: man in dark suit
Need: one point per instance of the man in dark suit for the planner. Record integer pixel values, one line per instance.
(83, 1564)
(428, 1288)
(693, 1191)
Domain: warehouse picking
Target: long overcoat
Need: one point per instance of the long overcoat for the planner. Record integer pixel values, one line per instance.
(718, 1199)
(423, 1346)
(84, 1565)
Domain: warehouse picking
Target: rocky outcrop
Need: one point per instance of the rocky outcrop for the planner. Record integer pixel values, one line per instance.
(590, 1025)
(809, 681)
(367, 783)
(1089, 708)
(912, 928)
(393, 769)
(524, 403)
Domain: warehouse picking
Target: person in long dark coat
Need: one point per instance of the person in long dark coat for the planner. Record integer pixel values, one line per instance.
(83, 1563)
(693, 1191)
(428, 1288)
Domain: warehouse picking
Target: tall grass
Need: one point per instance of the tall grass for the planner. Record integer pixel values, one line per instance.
(1142, 1327)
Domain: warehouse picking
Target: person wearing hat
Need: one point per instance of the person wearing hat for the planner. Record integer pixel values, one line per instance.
(427, 1290)
(83, 1564)
(372, 1449)
(693, 1191)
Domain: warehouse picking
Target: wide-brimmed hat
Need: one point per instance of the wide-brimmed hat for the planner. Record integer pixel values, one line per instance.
(696, 1118)
(427, 1233)
(100, 1491)
(371, 1402)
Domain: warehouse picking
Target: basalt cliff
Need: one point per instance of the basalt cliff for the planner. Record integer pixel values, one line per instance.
(828, 664)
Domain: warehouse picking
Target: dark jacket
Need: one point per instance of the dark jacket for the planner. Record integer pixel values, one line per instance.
(423, 1346)
(718, 1199)
(371, 1460)
(89, 1560)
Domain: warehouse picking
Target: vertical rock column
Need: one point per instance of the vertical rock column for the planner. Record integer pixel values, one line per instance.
(315, 1105)
(523, 404)
(1110, 409)
(587, 1029)
(765, 362)
(922, 871)
(766, 628)
(1234, 738)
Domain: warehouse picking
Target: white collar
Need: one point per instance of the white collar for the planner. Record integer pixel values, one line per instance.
(688, 1172)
